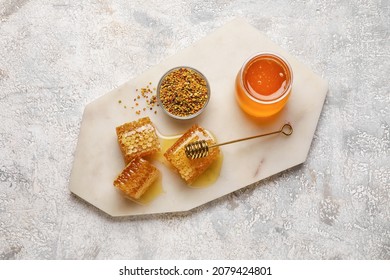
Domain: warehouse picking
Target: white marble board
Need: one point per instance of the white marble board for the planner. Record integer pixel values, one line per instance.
(219, 56)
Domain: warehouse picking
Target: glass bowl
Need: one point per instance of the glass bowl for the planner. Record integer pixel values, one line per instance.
(183, 93)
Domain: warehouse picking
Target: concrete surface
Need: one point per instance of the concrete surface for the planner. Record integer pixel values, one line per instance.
(57, 56)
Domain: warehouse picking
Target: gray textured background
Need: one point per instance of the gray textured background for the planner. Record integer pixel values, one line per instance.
(57, 56)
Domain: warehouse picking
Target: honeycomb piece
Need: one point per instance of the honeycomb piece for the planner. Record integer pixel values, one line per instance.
(136, 178)
(137, 139)
(191, 169)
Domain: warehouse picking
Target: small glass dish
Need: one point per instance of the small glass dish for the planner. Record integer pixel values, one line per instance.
(183, 93)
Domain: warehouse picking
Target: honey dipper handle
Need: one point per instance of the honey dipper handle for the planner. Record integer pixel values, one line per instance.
(286, 129)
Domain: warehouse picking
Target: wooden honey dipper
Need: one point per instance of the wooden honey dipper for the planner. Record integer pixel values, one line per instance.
(200, 149)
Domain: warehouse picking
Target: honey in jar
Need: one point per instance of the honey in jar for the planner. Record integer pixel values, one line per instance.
(263, 84)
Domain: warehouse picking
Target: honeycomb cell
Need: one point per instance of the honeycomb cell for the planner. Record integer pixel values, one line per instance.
(191, 169)
(136, 178)
(133, 139)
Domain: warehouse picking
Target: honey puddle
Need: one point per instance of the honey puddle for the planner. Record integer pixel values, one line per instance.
(209, 177)
(151, 193)
(206, 179)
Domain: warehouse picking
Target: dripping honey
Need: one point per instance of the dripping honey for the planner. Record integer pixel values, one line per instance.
(263, 85)
(207, 178)
(210, 176)
(151, 193)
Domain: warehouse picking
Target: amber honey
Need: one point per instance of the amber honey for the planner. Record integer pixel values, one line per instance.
(207, 178)
(141, 181)
(152, 193)
(263, 85)
(210, 176)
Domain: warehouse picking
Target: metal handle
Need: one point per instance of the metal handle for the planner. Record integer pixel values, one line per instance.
(286, 129)
(199, 149)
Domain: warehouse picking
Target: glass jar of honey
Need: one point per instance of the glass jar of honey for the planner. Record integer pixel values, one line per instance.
(263, 84)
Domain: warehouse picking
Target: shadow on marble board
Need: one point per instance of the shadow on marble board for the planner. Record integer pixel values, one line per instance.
(241, 193)
(145, 217)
